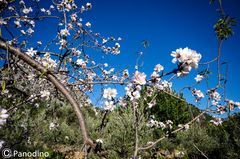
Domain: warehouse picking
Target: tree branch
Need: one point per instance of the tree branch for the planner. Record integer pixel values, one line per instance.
(173, 132)
(56, 83)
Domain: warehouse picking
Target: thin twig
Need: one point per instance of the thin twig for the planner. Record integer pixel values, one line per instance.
(200, 151)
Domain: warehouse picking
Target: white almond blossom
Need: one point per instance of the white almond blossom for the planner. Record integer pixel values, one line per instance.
(122, 102)
(48, 62)
(150, 142)
(78, 52)
(198, 78)
(17, 23)
(48, 12)
(11, 8)
(2, 22)
(62, 43)
(109, 93)
(3, 116)
(99, 141)
(51, 7)
(215, 96)
(117, 45)
(43, 10)
(133, 93)
(23, 32)
(53, 126)
(45, 94)
(64, 32)
(154, 75)
(27, 10)
(105, 72)
(187, 59)
(21, 2)
(216, 121)
(158, 68)
(32, 23)
(81, 63)
(115, 50)
(154, 123)
(151, 104)
(109, 105)
(125, 73)
(136, 94)
(231, 104)
(1, 144)
(186, 55)
(74, 17)
(104, 41)
(31, 52)
(30, 31)
(164, 85)
(88, 5)
(221, 109)
(139, 78)
(39, 42)
(186, 126)
(105, 65)
(82, 9)
(88, 24)
(198, 94)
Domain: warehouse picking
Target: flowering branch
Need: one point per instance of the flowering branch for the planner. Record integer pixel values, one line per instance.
(173, 132)
(16, 52)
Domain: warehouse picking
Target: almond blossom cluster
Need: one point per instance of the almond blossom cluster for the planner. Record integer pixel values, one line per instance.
(48, 62)
(81, 63)
(232, 105)
(155, 75)
(109, 94)
(216, 121)
(197, 94)
(45, 94)
(30, 52)
(186, 59)
(164, 85)
(133, 91)
(66, 5)
(158, 124)
(215, 96)
(139, 78)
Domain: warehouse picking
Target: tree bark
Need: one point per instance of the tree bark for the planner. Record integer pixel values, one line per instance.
(27, 59)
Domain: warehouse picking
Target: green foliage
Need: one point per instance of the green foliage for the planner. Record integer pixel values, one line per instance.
(223, 27)
(227, 135)
(28, 129)
(196, 138)
(170, 108)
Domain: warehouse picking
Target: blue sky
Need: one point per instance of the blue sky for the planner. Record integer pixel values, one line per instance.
(168, 25)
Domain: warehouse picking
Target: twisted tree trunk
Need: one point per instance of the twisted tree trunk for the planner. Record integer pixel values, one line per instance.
(16, 52)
